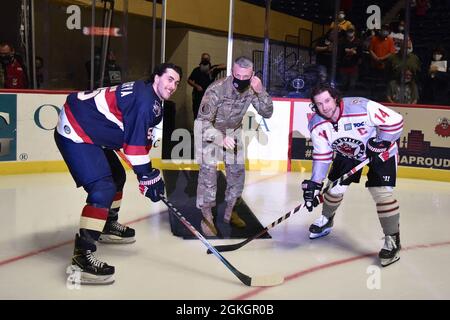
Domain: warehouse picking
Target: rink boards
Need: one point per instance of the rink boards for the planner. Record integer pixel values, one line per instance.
(280, 143)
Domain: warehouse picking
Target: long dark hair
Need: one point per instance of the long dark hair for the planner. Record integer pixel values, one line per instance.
(322, 87)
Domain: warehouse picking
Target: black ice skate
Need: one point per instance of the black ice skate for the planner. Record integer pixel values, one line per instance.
(87, 269)
(391, 250)
(321, 227)
(114, 232)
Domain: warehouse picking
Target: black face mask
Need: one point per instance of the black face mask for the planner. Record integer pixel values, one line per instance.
(241, 85)
(6, 59)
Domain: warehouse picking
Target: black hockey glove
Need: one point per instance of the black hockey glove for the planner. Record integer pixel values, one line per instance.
(376, 147)
(152, 185)
(311, 190)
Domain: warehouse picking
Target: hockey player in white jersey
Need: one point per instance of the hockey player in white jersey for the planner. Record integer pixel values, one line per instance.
(344, 132)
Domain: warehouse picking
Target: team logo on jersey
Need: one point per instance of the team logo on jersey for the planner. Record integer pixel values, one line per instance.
(157, 108)
(349, 147)
(67, 129)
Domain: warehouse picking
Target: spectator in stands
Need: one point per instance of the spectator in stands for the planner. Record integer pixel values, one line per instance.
(398, 35)
(113, 72)
(381, 48)
(366, 59)
(13, 71)
(411, 92)
(324, 51)
(342, 25)
(201, 77)
(436, 88)
(349, 58)
(396, 64)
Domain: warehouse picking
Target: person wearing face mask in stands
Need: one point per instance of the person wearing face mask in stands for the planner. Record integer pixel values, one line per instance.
(324, 51)
(342, 24)
(438, 78)
(381, 48)
(395, 63)
(13, 72)
(398, 34)
(201, 77)
(349, 58)
(411, 92)
(218, 136)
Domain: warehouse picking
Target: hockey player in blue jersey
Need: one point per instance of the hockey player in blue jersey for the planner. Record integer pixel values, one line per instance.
(344, 132)
(91, 126)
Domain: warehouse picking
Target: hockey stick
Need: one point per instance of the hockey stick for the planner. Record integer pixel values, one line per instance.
(261, 281)
(235, 246)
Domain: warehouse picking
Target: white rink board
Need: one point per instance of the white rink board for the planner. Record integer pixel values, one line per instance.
(269, 138)
(36, 116)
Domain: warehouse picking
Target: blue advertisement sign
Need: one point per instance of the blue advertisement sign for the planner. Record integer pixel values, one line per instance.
(8, 127)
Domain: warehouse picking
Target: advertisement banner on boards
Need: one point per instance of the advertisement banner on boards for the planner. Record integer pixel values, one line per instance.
(8, 127)
(424, 142)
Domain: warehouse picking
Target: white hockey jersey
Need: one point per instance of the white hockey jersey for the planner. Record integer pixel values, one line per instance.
(360, 119)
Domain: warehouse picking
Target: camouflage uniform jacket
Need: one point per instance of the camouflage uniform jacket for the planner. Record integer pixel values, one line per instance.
(223, 108)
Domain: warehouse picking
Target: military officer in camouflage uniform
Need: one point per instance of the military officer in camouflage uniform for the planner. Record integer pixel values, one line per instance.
(218, 136)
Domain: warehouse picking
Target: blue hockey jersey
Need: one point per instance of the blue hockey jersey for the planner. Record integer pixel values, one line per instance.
(114, 117)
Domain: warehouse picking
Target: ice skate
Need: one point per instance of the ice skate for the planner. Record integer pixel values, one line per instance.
(87, 269)
(321, 227)
(114, 232)
(390, 252)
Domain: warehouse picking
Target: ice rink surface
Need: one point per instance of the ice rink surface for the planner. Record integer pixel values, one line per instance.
(40, 215)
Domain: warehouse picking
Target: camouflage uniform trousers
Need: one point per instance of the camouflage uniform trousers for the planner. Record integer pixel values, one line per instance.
(207, 179)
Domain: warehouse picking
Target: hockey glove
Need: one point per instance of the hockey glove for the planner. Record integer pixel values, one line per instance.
(311, 190)
(376, 147)
(152, 185)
